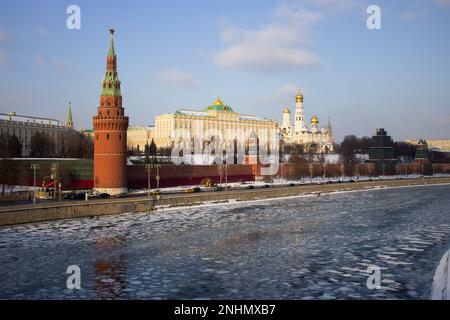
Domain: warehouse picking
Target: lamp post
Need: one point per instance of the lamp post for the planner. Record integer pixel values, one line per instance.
(148, 168)
(324, 166)
(54, 170)
(226, 175)
(157, 175)
(34, 167)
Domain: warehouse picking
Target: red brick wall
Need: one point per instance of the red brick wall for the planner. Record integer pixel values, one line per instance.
(172, 176)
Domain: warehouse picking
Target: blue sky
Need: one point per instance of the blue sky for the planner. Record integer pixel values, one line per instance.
(253, 54)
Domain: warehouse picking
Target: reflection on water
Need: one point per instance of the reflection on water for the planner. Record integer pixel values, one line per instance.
(110, 270)
(297, 248)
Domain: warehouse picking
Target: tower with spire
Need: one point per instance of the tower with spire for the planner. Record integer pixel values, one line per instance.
(299, 122)
(69, 122)
(110, 132)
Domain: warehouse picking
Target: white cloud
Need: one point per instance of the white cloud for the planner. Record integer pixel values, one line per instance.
(42, 31)
(58, 64)
(3, 59)
(273, 47)
(38, 60)
(280, 97)
(178, 78)
(288, 90)
(445, 3)
(5, 37)
(413, 15)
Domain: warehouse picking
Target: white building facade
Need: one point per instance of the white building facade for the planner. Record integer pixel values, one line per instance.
(317, 138)
(215, 120)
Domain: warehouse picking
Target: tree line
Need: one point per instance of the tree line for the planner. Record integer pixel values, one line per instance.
(72, 145)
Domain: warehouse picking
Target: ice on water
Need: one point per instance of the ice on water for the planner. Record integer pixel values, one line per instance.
(298, 248)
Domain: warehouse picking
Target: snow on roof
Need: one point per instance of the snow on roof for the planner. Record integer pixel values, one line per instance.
(192, 113)
(249, 117)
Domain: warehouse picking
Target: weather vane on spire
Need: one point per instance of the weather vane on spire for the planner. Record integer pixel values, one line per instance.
(112, 30)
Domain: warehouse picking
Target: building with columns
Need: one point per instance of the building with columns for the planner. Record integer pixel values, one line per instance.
(318, 137)
(217, 117)
(110, 132)
(139, 136)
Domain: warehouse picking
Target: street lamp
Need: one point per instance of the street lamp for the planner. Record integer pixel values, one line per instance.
(221, 167)
(157, 175)
(148, 168)
(226, 175)
(34, 167)
(54, 171)
(324, 175)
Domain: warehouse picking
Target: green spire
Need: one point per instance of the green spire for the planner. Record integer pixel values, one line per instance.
(111, 52)
(111, 83)
(69, 122)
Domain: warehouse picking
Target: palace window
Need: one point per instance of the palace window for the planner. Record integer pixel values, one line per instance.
(107, 136)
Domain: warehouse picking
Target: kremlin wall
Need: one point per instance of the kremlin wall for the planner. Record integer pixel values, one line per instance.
(78, 173)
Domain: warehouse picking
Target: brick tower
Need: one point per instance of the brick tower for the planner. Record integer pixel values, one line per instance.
(110, 133)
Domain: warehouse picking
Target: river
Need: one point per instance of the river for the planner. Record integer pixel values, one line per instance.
(317, 247)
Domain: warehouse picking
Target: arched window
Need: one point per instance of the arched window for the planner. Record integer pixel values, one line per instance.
(120, 136)
(97, 136)
(107, 136)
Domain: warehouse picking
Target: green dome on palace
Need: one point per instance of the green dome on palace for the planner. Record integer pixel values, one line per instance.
(219, 106)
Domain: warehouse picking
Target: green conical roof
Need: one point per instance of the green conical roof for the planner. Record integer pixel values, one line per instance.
(69, 114)
(111, 52)
(111, 83)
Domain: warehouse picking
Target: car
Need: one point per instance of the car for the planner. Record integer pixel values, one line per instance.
(266, 186)
(188, 190)
(75, 196)
(291, 184)
(197, 189)
(102, 195)
(155, 192)
(218, 189)
(251, 187)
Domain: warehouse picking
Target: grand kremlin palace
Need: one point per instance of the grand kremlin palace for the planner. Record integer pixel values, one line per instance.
(216, 117)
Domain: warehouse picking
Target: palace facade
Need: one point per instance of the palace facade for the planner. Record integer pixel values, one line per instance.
(218, 117)
(139, 136)
(317, 138)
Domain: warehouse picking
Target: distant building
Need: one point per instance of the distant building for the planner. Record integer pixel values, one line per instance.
(139, 136)
(24, 127)
(442, 145)
(88, 133)
(381, 153)
(218, 117)
(421, 150)
(315, 138)
(422, 157)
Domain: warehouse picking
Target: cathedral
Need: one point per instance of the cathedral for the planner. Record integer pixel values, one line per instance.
(314, 139)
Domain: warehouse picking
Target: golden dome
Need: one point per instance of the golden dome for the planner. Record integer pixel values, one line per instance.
(299, 96)
(286, 110)
(218, 102)
(314, 120)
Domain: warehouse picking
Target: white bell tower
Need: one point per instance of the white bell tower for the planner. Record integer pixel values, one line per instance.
(299, 121)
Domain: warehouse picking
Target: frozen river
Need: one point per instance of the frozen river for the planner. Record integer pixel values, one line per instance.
(296, 248)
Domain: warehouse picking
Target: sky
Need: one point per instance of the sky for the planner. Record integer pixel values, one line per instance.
(253, 54)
